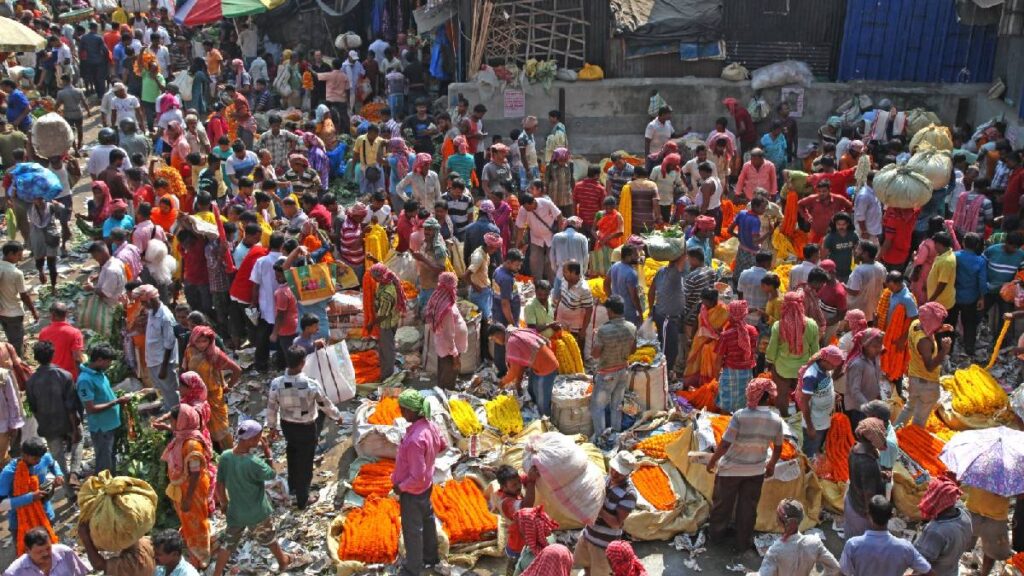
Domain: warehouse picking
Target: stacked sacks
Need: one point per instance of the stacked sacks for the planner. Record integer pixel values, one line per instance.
(902, 187)
(935, 165)
(938, 137)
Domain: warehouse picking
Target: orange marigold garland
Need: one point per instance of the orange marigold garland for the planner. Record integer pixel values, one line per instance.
(654, 485)
(718, 426)
(789, 451)
(462, 508)
(374, 478)
(922, 448)
(385, 413)
(702, 397)
(367, 366)
(370, 534)
(1017, 561)
(838, 442)
(654, 446)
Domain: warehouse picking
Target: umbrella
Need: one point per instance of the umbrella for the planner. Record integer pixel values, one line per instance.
(16, 37)
(991, 459)
(199, 12)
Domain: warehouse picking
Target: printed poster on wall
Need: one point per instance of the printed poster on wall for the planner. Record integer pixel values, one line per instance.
(515, 103)
(794, 95)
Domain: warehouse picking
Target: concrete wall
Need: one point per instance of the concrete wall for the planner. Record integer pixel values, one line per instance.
(611, 114)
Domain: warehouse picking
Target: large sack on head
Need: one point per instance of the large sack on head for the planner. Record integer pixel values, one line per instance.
(664, 248)
(938, 137)
(918, 119)
(51, 135)
(935, 165)
(902, 187)
(119, 510)
(571, 487)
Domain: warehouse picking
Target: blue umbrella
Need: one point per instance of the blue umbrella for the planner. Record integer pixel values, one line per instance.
(991, 459)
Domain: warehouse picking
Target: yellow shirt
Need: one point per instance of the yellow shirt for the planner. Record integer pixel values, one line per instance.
(943, 271)
(916, 368)
(368, 152)
(986, 503)
(773, 309)
(119, 16)
(479, 260)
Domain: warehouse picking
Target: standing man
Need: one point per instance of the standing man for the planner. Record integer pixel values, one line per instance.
(659, 131)
(948, 532)
(818, 209)
(757, 173)
(569, 245)
(796, 554)
(102, 408)
(14, 295)
(867, 280)
(665, 299)
(264, 284)
(388, 306)
(878, 552)
(543, 219)
(614, 342)
(620, 173)
(867, 212)
(413, 481)
(505, 301)
(161, 345)
(746, 132)
(619, 501)
(926, 358)
(95, 60)
(623, 281)
(50, 393)
(294, 403)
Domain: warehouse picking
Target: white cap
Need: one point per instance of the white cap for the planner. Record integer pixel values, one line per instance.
(353, 54)
(624, 463)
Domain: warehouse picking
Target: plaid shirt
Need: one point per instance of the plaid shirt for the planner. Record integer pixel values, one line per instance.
(297, 399)
(219, 281)
(279, 146)
(616, 339)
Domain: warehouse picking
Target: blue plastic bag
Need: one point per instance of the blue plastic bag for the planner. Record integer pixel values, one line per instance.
(337, 159)
(32, 180)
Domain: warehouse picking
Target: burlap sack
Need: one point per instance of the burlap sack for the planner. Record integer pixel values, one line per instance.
(907, 494)
(690, 512)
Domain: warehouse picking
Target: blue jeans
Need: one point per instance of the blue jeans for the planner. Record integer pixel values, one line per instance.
(396, 102)
(540, 389)
(103, 445)
(423, 297)
(482, 299)
(813, 445)
(608, 392)
(669, 328)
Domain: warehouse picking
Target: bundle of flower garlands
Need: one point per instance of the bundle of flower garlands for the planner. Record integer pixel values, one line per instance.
(839, 440)
(644, 354)
(975, 391)
(567, 351)
(374, 478)
(367, 366)
(702, 397)
(465, 417)
(939, 428)
(174, 181)
(1017, 562)
(654, 445)
(370, 534)
(503, 413)
(653, 484)
(462, 508)
(385, 412)
(922, 447)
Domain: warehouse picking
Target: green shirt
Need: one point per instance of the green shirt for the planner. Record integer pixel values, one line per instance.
(536, 314)
(786, 363)
(243, 477)
(385, 300)
(151, 86)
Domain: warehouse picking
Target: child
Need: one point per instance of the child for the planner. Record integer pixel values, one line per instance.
(817, 397)
(441, 214)
(309, 338)
(770, 285)
(690, 213)
(380, 212)
(182, 329)
(511, 500)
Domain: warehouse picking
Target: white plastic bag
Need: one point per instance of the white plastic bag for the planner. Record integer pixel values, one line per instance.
(403, 265)
(184, 83)
(332, 368)
(781, 74)
(648, 331)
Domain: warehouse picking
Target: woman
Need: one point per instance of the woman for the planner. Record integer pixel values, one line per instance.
(189, 457)
(324, 126)
(200, 85)
(45, 236)
(166, 213)
(866, 479)
(609, 230)
(503, 217)
(924, 258)
(98, 209)
(447, 329)
(537, 528)
(553, 560)
(863, 373)
(317, 158)
(817, 396)
(702, 359)
(793, 340)
(461, 162)
(203, 357)
(623, 560)
(400, 160)
(178, 147)
(737, 354)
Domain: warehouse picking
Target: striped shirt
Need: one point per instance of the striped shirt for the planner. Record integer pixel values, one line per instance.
(384, 304)
(298, 399)
(696, 281)
(750, 433)
(1002, 265)
(458, 210)
(352, 250)
(588, 194)
(616, 498)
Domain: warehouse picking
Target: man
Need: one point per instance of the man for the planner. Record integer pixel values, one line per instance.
(749, 285)
(113, 175)
(744, 467)
(569, 245)
(989, 517)
(798, 274)
(948, 532)
(102, 408)
(94, 60)
(44, 556)
(867, 280)
(619, 174)
(614, 342)
(542, 218)
(527, 143)
(388, 305)
(690, 173)
(796, 554)
(926, 358)
(619, 501)
(587, 196)
(264, 284)
(169, 549)
(704, 230)
(478, 273)
(41, 465)
(659, 131)
(747, 227)
(242, 115)
(971, 285)
(240, 164)
(280, 143)
(13, 296)
(878, 552)
(666, 300)
(527, 353)
(161, 345)
(353, 68)
(623, 281)
(430, 259)
(1003, 262)
(294, 403)
(867, 212)
(818, 209)
(941, 283)
(459, 205)
(537, 312)
(775, 146)
(746, 132)
(110, 282)
(699, 278)
(245, 256)
(336, 88)
(413, 482)
(474, 234)
(757, 173)
(505, 300)
(72, 105)
(50, 393)
(241, 476)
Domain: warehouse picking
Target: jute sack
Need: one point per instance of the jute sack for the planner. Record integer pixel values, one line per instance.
(690, 512)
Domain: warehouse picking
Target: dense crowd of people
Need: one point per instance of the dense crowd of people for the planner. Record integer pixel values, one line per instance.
(206, 198)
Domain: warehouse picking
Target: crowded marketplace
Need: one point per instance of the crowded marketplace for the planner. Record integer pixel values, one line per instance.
(281, 297)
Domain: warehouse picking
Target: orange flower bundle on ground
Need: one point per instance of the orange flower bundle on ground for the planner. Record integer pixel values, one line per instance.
(385, 413)
(922, 448)
(702, 397)
(718, 426)
(462, 508)
(654, 446)
(367, 366)
(411, 293)
(653, 484)
(371, 533)
(374, 478)
(838, 442)
(1017, 561)
(789, 451)
(938, 428)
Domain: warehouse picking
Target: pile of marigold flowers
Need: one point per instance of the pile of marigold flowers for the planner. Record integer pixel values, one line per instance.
(839, 441)
(567, 351)
(374, 478)
(370, 534)
(719, 424)
(462, 508)
(975, 391)
(653, 484)
(938, 428)
(922, 448)
(702, 397)
(654, 446)
(465, 417)
(503, 413)
(385, 413)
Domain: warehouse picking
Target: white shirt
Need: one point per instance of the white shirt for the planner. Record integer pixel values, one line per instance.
(539, 221)
(869, 281)
(798, 556)
(690, 169)
(99, 159)
(165, 38)
(667, 183)
(163, 58)
(716, 196)
(377, 47)
(798, 274)
(122, 108)
(383, 216)
(160, 337)
(868, 209)
(264, 276)
(658, 133)
(258, 70)
(248, 41)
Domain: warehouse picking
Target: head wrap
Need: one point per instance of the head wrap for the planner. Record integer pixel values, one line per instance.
(237, 62)
(730, 103)
(670, 163)
(499, 148)
(560, 154)
(298, 158)
(535, 526)
(486, 206)
(931, 316)
(357, 211)
(194, 394)
(529, 122)
(492, 240)
(574, 222)
(862, 339)
(704, 223)
(791, 322)
(321, 112)
(398, 147)
(432, 223)
(145, 293)
(310, 140)
(441, 302)
(828, 266)
(756, 390)
(118, 204)
(440, 252)
(384, 275)
(872, 431)
(834, 122)
(623, 560)
(413, 400)
(833, 354)
(200, 332)
(248, 429)
(554, 560)
(855, 320)
(461, 145)
(187, 427)
(738, 311)
(422, 163)
(857, 145)
(106, 208)
(941, 494)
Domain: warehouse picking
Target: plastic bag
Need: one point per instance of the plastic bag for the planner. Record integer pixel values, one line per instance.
(665, 249)
(336, 158)
(32, 181)
(403, 265)
(332, 368)
(781, 74)
(735, 72)
(591, 72)
(647, 331)
(11, 221)
(566, 75)
(119, 510)
(935, 165)
(758, 108)
(183, 80)
(902, 187)
(568, 482)
(51, 135)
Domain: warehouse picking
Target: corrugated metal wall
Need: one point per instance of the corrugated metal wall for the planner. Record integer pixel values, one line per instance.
(913, 41)
(760, 32)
